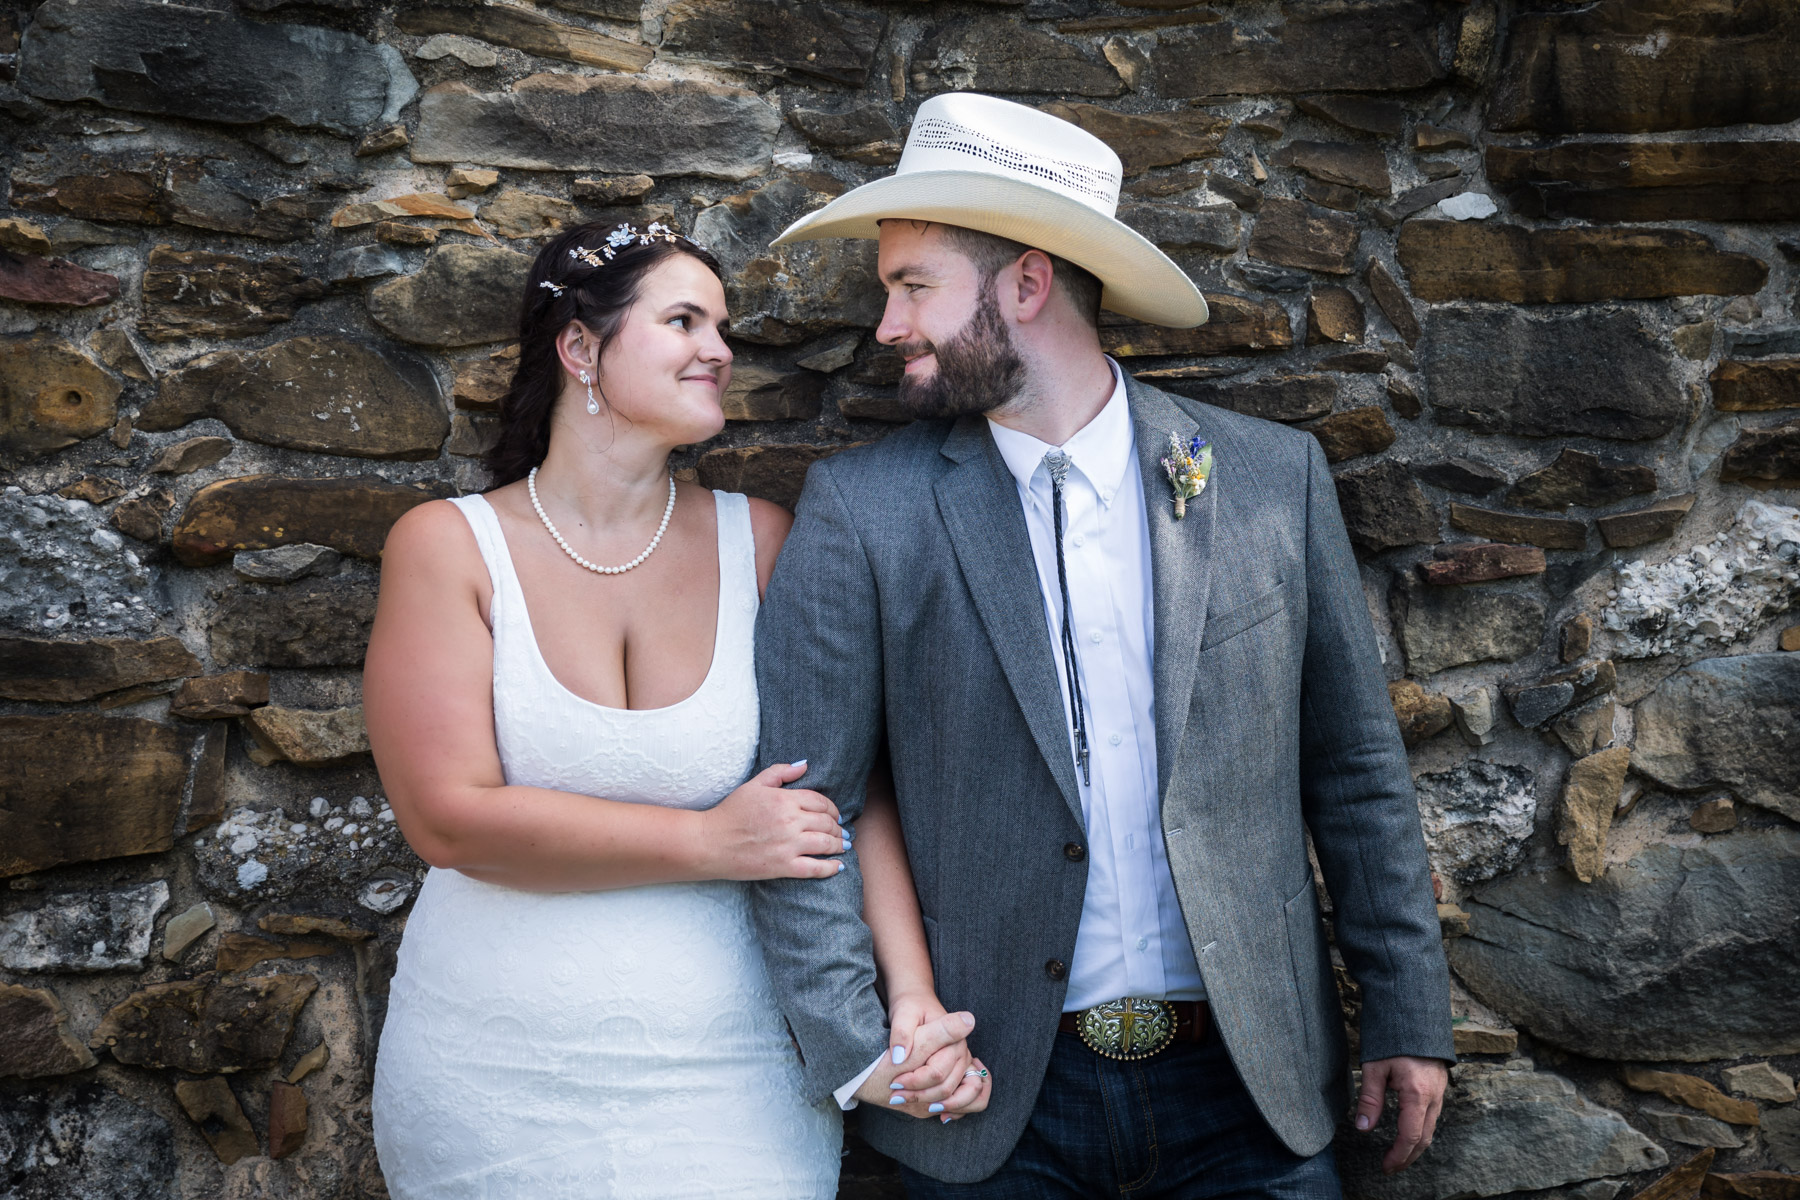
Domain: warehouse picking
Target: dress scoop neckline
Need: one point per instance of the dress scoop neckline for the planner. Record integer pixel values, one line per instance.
(537, 653)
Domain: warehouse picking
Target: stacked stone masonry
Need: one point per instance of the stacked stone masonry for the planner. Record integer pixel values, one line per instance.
(1526, 268)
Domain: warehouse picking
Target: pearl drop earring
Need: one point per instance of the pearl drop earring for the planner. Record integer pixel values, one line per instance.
(593, 404)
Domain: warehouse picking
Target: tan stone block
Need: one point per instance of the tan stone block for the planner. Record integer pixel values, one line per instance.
(68, 671)
(307, 737)
(1480, 260)
(1352, 433)
(212, 1106)
(1421, 714)
(1759, 386)
(231, 694)
(1143, 141)
(198, 293)
(1589, 799)
(1470, 1038)
(1714, 816)
(51, 394)
(1236, 323)
(1289, 235)
(309, 1062)
(1333, 314)
(1683, 1182)
(36, 1041)
(287, 1119)
(1552, 533)
(206, 1025)
(1694, 1092)
(1760, 1081)
(1479, 562)
(351, 514)
(514, 213)
(238, 951)
(1453, 922)
(186, 457)
(1642, 526)
(522, 29)
(81, 787)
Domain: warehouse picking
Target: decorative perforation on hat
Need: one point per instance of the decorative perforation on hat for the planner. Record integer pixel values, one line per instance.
(935, 133)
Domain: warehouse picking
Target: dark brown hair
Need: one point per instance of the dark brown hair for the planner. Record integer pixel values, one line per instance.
(991, 253)
(598, 297)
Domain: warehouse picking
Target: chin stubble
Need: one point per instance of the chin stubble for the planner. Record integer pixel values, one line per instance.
(978, 370)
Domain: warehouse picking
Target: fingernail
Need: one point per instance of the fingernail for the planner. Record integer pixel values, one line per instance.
(801, 763)
(846, 845)
(848, 833)
(945, 1120)
(895, 1086)
(896, 1099)
(1362, 1122)
(841, 865)
(937, 1108)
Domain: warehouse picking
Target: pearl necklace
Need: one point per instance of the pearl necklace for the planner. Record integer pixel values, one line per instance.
(531, 486)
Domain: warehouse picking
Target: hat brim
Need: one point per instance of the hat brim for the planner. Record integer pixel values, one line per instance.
(1138, 280)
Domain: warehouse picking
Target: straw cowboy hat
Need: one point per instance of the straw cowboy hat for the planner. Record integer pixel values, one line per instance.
(1005, 169)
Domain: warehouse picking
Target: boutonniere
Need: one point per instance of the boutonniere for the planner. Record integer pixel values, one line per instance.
(1188, 466)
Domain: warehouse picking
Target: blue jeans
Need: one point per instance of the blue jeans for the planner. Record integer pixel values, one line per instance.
(1179, 1126)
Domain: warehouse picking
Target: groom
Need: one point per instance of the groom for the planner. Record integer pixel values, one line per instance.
(1115, 646)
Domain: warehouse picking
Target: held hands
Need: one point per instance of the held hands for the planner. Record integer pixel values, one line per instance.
(1420, 1083)
(766, 831)
(926, 1072)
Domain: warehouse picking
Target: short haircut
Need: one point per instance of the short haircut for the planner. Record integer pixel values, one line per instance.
(990, 253)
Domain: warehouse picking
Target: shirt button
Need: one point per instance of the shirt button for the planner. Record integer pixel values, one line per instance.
(1074, 852)
(1143, 943)
(1056, 968)
(1106, 497)
(1115, 739)
(1078, 540)
(1094, 636)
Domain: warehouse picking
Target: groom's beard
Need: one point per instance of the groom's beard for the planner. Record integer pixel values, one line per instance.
(978, 370)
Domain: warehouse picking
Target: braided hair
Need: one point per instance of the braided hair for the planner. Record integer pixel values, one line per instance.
(592, 274)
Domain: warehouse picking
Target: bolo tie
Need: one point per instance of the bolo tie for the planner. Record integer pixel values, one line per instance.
(1058, 465)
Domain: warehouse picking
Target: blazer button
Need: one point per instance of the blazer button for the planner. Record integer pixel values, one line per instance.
(1056, 969)
(1074, 852)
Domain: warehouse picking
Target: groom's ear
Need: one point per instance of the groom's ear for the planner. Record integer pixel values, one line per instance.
(1026, 286)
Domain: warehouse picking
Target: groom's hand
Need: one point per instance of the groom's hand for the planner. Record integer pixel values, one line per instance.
(933, 1065)
(1420, 1083)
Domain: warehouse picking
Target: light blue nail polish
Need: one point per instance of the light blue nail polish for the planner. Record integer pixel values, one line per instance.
(894, 1087)
(944, 1120)
(840, 867)
(935, 1108)
(899, 1055)
(846, 845)
(801, 763)
(896, 1099)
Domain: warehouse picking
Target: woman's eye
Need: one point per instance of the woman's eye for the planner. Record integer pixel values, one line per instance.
(684, 321)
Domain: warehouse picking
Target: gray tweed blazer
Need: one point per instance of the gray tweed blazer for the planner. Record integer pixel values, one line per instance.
(905, 608)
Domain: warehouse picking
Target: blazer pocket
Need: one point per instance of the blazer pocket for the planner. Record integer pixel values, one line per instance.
(1244, 617)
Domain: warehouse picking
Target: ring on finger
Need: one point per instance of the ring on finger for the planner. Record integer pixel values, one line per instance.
(975, 1073)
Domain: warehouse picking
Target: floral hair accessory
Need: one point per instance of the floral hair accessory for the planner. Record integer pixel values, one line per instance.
(1188, 467)
(555, 287)
(621, 237)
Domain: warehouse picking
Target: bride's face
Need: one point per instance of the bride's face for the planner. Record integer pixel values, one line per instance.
(667, 369)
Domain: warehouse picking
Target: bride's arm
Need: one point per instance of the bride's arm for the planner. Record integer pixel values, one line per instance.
(902, 955)
(890, 903)
(428, 701)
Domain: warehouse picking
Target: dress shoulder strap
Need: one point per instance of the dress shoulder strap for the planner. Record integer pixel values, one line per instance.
(484, 522)
(737, 554)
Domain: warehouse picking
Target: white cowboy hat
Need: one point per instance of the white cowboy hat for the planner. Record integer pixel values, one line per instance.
(1002, 168)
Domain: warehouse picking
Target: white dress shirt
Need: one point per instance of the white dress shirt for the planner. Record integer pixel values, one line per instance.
(1131, 940)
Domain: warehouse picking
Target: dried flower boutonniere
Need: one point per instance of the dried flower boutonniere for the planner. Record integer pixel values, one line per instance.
(1188, 466)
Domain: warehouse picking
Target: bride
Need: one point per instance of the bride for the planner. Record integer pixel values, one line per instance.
(561, 700)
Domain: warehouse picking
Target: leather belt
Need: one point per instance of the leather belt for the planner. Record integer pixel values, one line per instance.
(1131, 1028)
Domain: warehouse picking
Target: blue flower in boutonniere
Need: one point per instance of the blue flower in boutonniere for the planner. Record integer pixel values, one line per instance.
(1188, 466)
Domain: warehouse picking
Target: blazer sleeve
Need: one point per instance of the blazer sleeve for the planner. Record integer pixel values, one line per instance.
(819, 683)
(1357, 794)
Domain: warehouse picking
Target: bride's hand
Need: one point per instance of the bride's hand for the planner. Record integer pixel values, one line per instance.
(944, 1079)
(766, 831)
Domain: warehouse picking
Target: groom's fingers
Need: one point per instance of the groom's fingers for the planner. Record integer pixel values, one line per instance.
(933, 1036)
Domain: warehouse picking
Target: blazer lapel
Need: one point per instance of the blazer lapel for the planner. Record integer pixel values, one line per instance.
(979, 503)
(1180, 568)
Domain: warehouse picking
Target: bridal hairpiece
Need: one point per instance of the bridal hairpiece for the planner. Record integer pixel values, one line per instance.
(623, 236)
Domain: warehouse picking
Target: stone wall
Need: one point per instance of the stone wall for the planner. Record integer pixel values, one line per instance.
(1527, 270)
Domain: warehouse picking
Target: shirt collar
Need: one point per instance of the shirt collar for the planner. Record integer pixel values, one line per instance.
(1101, 450)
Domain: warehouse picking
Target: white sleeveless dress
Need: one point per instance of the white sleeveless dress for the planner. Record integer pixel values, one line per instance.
(587, 1045)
